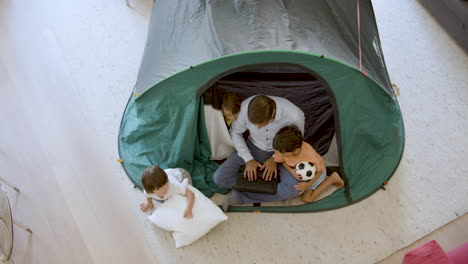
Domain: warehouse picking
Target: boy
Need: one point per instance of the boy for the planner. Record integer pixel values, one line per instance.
(290, 149)
(162, 184)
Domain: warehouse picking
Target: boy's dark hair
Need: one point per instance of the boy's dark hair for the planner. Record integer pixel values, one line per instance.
(232, 102)
(153, 178)
(287, 139)
(261, 109)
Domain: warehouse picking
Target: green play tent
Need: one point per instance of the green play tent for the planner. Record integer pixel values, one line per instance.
(193, 45)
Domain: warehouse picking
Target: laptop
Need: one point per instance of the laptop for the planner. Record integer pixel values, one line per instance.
(257, 186)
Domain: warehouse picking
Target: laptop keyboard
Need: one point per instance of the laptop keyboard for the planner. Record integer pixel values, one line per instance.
(257, 186)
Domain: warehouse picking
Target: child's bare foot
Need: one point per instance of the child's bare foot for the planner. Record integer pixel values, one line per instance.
(337, 181)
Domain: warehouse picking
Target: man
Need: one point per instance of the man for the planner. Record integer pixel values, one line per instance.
(263, 116)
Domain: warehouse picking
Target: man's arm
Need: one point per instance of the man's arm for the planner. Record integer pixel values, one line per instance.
(237, 129)
(301, 121)
(294, 115)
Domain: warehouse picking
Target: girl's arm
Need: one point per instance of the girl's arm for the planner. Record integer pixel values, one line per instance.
(148, 205)
(190, 202)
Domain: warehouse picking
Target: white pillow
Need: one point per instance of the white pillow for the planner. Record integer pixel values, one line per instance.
(170, 216)
(218, 134)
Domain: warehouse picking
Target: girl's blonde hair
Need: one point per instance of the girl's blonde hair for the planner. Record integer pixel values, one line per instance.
(231, 102)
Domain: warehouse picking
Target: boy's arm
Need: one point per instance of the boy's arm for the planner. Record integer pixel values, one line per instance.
(302, 186)
(295, 175)
(291, 170)
(320, 165)
(190, 202)
(318, 162)
(307, 184)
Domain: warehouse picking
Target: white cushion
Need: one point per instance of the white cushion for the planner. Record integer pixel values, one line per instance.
(170, 216)
(218, 134)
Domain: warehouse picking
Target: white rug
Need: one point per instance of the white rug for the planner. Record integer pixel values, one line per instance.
(428, 190)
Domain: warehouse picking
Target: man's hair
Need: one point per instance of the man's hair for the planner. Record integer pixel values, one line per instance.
(261, 109)
(153, 178)
(287, 139)
(232, 102)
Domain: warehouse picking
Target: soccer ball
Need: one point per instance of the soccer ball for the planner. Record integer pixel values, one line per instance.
(306, 170)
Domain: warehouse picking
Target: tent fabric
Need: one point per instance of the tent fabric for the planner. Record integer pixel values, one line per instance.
(164, 126)
(186, 54)
(184, 33)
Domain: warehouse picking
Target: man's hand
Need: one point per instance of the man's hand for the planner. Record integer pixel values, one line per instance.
(188, 213)
(251, 169)
(270, 169)
(146, 206)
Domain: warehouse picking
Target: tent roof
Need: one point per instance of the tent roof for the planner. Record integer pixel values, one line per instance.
(186, 33)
